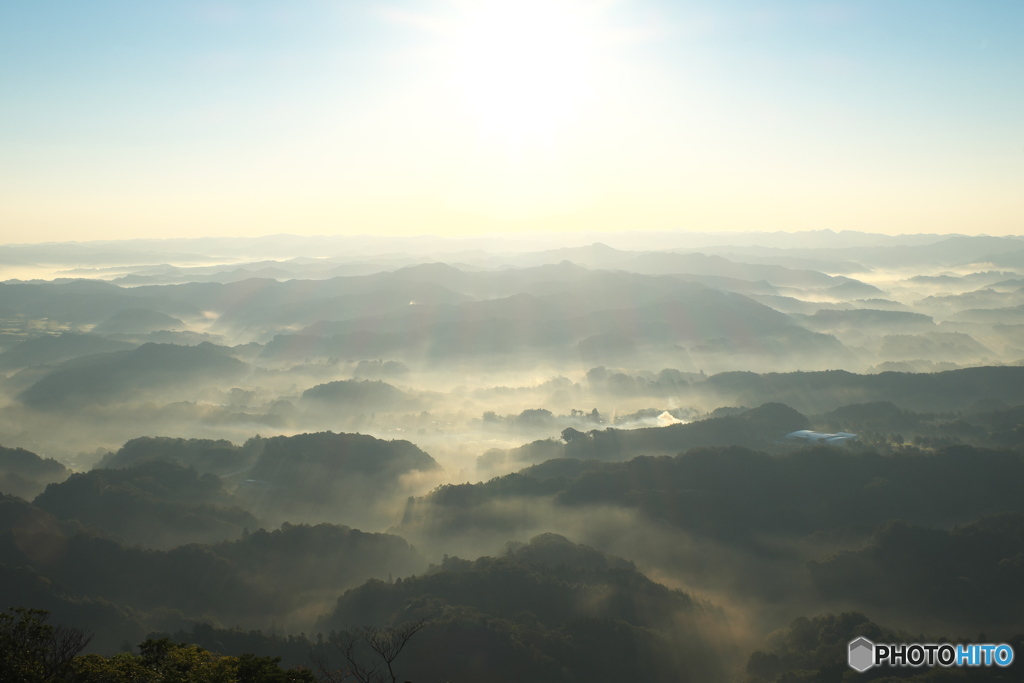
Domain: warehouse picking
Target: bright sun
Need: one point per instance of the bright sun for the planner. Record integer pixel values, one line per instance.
(523, 69)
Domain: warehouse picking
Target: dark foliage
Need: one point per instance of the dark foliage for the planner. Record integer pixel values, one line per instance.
(547, 611)
(354, 393)
(57, 349)
(735, 493)
(205, 455)
(33, 651)
(814, 392)
(25, 474)
(971, 576)
(328, 476)
(122, 375)
(761, 427)
(156, 503)
(249, 581)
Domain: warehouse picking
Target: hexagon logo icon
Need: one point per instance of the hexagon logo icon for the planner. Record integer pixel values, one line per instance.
(862, 654)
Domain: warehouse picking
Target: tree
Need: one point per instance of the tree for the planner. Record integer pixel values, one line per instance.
(164, 661)
(123, 667)
(369, 653)
(32, 651)
(568, 434)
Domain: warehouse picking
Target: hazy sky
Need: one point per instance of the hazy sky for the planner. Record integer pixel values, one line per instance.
(182, 118)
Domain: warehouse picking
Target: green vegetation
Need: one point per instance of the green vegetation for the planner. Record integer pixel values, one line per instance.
(549, 610)
(25, 474)
(563, 466)
(34, 651)
(157, 504)
(205, 455)
(364, 394)
(109, 377)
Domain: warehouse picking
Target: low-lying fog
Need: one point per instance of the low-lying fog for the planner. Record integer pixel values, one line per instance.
(385, 386)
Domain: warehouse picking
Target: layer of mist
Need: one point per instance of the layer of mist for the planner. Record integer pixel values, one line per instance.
(646, 456)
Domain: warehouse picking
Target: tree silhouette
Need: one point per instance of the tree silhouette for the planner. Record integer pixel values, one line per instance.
(32, 651)
(369, 653)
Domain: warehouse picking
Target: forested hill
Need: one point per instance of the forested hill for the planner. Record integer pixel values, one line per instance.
(816, 392)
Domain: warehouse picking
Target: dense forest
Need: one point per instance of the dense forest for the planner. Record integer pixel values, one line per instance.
(585, 464)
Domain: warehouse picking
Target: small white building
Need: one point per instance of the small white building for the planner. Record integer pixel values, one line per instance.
(807, 436)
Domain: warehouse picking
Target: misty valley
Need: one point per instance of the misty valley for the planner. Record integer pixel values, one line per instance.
(514, 459)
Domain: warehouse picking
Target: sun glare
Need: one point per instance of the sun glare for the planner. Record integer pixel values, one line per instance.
(523, 69)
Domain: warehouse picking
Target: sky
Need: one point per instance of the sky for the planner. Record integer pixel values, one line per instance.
(122, 119)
